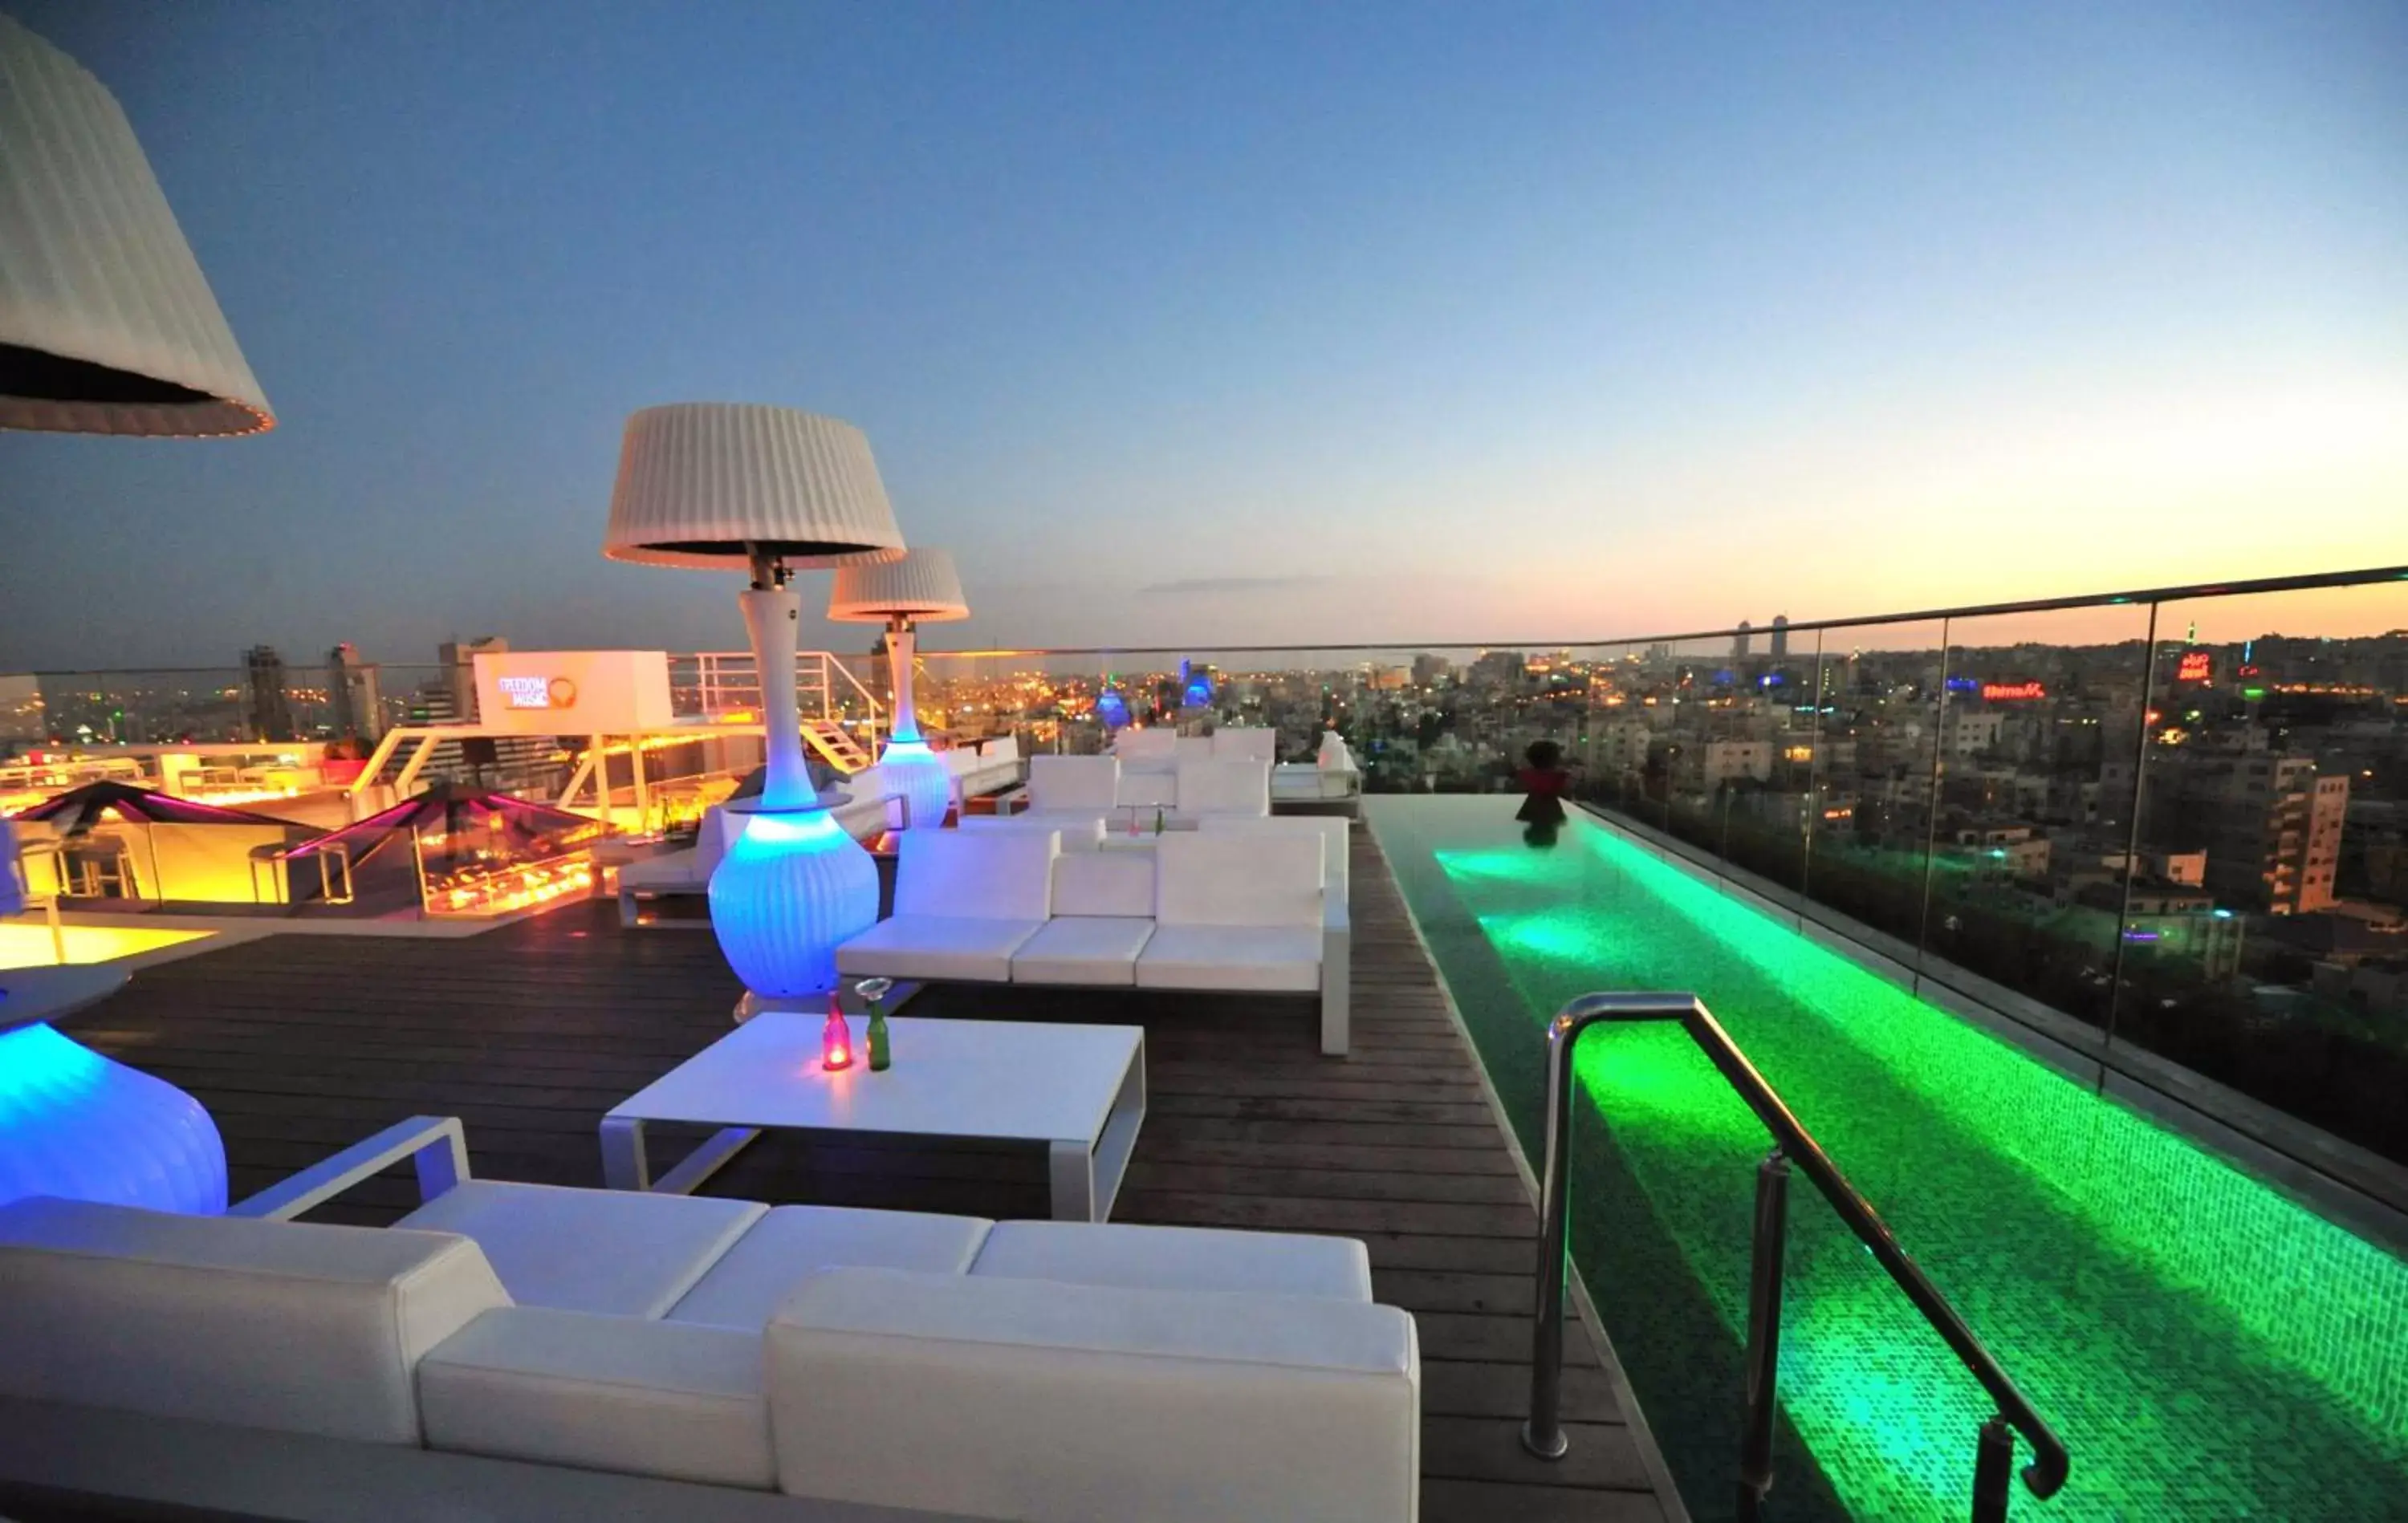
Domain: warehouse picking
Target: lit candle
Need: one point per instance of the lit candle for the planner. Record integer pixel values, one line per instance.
(836, 1039)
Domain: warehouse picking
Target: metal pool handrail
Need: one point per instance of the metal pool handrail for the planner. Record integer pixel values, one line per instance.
(1544, 1434)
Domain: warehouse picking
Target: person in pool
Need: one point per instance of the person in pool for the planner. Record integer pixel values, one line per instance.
(1543, 780)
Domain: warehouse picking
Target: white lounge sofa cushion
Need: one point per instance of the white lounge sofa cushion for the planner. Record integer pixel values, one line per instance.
(1149, 789)
(624, 1253)
(994, 876)
(1238, 879)
(1221, 785)
(1117, 883)
(1277, 958)
(745, 1287)
(996, 1397)
(949, 947)
(286, 1326)
(1333, 831)
(1097, 949)
(1147, 1258)
(1073, 782)
(616, 1393)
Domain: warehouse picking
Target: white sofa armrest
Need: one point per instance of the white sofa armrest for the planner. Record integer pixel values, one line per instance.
(1337, 977)
(434, 1143)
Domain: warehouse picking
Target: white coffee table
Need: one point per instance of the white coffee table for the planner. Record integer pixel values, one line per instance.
(1078, 1089)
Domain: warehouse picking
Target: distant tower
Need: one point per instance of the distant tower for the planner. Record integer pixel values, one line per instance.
(460, 670)
(271, 708)
(1740, 641)
(358, 707)
(1779, 637)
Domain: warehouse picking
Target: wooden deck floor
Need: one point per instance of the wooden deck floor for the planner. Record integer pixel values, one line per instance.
(299, 1044)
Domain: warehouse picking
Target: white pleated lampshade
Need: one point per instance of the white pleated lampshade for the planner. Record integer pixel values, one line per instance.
(106, 325)
(921, 586)
(699, 481)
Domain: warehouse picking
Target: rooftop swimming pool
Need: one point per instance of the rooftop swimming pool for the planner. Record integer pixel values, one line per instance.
(2207, 1348)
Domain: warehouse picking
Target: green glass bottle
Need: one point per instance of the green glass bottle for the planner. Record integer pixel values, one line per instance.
(882, 1057)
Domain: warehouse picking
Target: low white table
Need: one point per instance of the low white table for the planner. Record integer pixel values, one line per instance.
(1078, 1089)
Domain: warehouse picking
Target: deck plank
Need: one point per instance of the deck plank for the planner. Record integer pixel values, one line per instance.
(300, 1045)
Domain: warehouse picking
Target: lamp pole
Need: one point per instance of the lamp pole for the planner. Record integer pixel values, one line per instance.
(900, 640)
(772, 618)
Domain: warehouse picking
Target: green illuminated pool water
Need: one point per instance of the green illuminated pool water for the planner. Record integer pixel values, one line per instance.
(2207, 1348)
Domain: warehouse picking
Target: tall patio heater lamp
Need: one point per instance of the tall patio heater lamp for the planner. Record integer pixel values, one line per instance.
(920, 588)
(107, 326)
(771, 491)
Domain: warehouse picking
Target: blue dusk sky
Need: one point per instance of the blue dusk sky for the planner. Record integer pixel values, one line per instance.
(1271, 323)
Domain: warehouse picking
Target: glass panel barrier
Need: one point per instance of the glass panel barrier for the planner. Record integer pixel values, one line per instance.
(1879, 773)
(2034, 810)
(2266, 941)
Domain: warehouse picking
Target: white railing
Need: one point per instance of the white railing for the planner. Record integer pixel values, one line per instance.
(712, 683)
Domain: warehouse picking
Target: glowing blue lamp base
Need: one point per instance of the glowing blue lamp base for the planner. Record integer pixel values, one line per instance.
(76, 1124)
(792, 890)
(915, 772)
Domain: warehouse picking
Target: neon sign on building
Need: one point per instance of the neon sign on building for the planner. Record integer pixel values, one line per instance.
(2196, 666)
(2012, 693)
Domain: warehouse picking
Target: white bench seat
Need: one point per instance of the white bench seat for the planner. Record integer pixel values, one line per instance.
(1083, 949)
(954, 948)
(1274, 957)
(745, 1285)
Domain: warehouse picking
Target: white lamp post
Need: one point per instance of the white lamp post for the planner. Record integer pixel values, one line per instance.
(770, 490)
(921, 587)
(107, 326)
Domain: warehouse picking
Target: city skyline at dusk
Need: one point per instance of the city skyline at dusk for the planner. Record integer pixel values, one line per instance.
(1248, 327)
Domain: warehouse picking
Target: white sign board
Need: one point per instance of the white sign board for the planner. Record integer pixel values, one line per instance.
(574, 692)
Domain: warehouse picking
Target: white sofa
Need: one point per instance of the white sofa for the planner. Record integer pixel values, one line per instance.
(828, 1355)
(1331, 777)
(678, 873)
(1236, 906)
(984, 766)
(1179, 787)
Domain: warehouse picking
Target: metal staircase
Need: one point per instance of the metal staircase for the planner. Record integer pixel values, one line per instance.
(836, 745)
